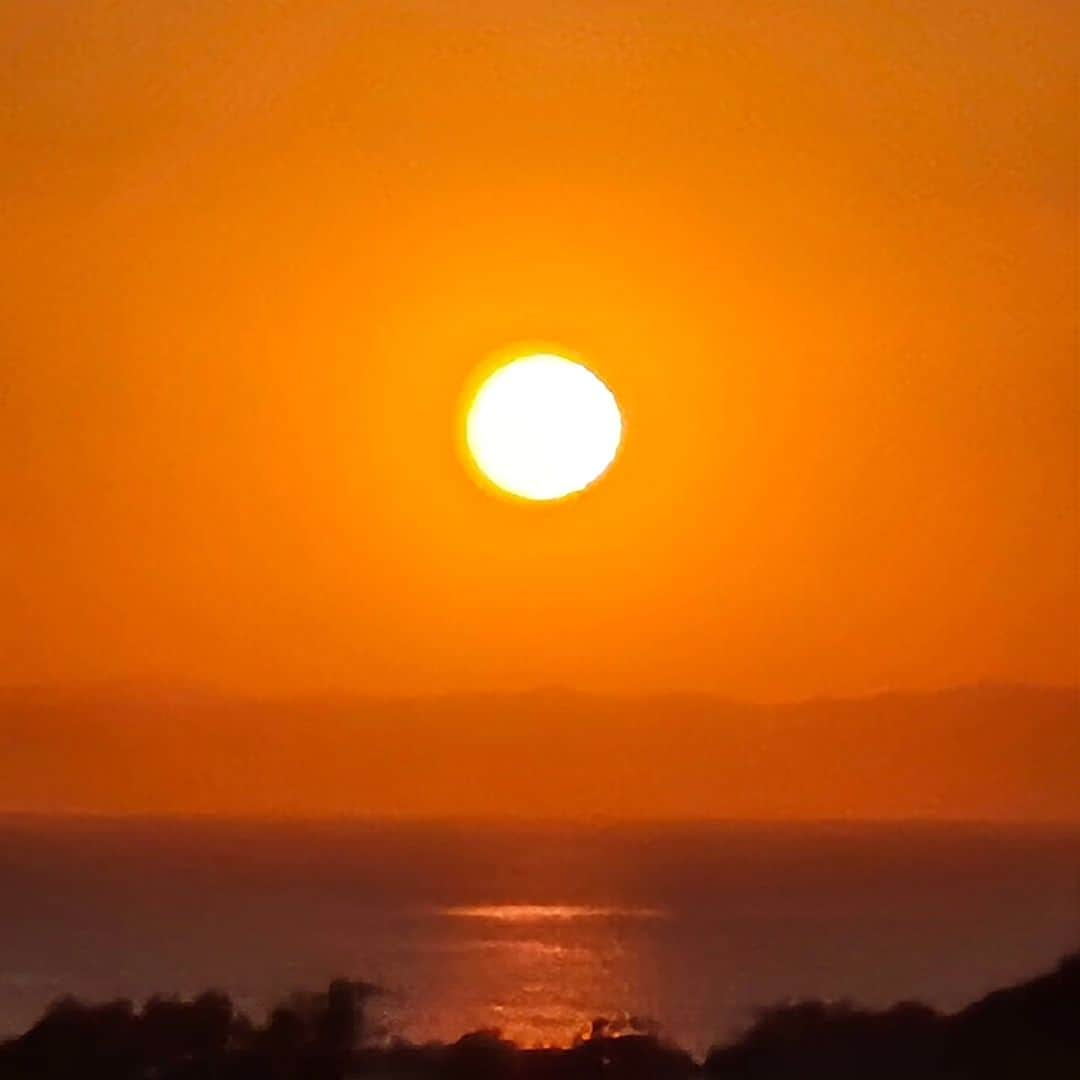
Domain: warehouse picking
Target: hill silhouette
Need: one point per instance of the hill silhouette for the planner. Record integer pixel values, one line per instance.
(977, 753)
(1031, 1030)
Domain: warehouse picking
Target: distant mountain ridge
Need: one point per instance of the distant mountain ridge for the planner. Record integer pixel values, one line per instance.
(998, 753)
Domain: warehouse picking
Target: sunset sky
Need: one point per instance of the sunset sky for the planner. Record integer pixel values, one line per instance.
(253, 254)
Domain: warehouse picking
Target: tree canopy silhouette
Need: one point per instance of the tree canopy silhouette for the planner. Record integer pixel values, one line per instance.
(1031, 1030)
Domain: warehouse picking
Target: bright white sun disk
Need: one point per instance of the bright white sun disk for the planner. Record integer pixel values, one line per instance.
(543, 427)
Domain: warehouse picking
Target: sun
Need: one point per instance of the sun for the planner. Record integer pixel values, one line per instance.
(543, 427)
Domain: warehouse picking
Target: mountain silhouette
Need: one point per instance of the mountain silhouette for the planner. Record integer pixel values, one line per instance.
(976, 753)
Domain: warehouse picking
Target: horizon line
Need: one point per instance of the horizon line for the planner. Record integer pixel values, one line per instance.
(598, 821)
(147, 691)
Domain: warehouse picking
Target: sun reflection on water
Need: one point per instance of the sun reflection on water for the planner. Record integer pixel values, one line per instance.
(534, 913)
(541, 972)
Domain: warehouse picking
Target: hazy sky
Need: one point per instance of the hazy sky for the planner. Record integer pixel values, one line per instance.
(826, 256)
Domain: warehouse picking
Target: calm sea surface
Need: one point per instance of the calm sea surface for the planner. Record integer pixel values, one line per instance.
(531, 929)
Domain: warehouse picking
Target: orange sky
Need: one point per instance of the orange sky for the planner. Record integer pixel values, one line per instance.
(826, 255)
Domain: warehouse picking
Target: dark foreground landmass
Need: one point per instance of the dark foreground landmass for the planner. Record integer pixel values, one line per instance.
(1030, 1031)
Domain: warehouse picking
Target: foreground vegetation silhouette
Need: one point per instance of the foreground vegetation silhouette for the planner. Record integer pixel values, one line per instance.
(1029, 1031)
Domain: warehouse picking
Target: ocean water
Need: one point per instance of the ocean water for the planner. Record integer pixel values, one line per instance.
(533, 929)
